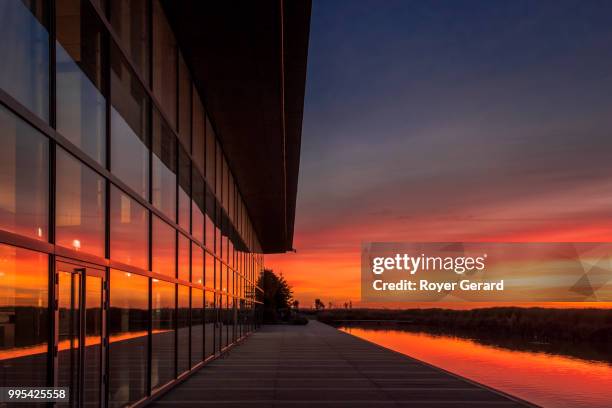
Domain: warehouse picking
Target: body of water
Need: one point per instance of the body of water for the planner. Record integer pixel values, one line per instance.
(544, 379)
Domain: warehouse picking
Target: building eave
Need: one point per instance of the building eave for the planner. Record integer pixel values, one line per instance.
(248, 61)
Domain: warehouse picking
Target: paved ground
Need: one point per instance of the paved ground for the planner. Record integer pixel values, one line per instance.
(319, 366)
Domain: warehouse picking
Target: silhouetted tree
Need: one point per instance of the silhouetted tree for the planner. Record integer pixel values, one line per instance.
(277, 296)
(319, 305)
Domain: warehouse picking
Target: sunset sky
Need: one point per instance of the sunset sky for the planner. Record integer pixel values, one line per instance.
(449, 121)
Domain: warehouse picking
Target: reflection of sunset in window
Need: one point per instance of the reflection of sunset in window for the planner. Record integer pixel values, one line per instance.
(163, 248)
(209, 271)
(23, 305)
(183, 257)
(197, 264)
(126, 138)
(129, 230)
(23, 177)
(80, 200)
(128, 318)
(163, 318)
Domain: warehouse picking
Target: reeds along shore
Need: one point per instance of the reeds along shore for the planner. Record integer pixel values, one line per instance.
(533, 324)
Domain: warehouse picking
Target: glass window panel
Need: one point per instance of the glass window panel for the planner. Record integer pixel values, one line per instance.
(231, 252)
(80, 72)
(199, 128)
(210, 154)
(24, 177)
(235, 283)
(231, 209)
(129, 127)
(210, 316)
(210, 233)
(239, 285)
(224, 241)
(224, 278)
(231, 318)
(222, 305)
(80, 201)
(24, 317)
(93, 332)
(24, 50)
(163, 315)
(243, 287)
(129, 230)
(164, 243)
(219, 172)
(164, 63)
(184, 191)
(183, 257)
(197, 264)
(184, 104)
(240, 216)
(182, 324)
(228, 277)
(164, 167)
(217, 241)
(225, 186)
(209, 270)
(198, 222)
(197, 206)
(131, 23)
(128, 330)
(197, 326)
(238, 220)
(69, 328)
(211, 215)
(243, 220)
(242, 317)
(218, 274)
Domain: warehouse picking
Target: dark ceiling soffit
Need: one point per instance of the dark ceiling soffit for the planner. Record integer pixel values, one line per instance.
(243, 67)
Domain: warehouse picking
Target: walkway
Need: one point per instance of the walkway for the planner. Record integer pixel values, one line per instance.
(319, 366)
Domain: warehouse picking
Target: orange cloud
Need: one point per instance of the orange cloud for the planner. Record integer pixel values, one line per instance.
(327, 262)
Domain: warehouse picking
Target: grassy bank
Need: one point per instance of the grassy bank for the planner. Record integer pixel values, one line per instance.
(530, 324)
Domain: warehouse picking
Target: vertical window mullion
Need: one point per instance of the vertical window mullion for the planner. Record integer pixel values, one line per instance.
(150, 76)
(52, 296)
(176, 327)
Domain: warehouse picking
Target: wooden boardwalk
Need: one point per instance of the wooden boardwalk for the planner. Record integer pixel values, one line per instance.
(319, 366)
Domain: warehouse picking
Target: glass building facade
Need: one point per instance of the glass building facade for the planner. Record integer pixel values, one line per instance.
(127, 256)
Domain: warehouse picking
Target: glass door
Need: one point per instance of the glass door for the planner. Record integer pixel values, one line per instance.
(80, 333)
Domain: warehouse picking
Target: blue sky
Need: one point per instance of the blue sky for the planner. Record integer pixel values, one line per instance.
(453, 120)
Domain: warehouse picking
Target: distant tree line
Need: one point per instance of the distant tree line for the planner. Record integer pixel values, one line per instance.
(532, 324)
